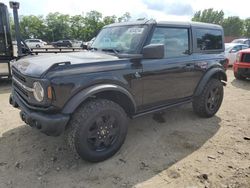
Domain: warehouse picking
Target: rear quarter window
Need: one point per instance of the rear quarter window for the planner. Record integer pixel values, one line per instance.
(208, 40)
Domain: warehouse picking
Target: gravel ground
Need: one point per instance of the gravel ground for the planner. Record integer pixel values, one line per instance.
(184, 151)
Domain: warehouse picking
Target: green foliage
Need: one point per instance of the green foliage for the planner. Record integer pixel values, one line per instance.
(93, 24)
(233, 26)
(57, 26)
(247, 27)
(32, 26)
(125, 17)
(209, 16)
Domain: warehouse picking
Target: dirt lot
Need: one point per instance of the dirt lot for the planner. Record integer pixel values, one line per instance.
(185, 151)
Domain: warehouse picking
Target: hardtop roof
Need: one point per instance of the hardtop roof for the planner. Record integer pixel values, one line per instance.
(168, 23)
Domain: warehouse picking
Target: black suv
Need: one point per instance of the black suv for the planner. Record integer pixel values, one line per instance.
(133, 69)
(62, 43)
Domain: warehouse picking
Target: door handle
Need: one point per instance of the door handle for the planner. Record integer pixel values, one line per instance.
(188, 66)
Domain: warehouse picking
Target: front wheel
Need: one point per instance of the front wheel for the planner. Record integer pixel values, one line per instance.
(97, 130)
(209, 102)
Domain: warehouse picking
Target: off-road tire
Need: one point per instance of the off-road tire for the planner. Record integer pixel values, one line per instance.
(82, 120)
(200, 103)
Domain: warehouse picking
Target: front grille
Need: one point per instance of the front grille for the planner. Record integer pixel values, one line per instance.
(18, 75)
(19, 82)
(23, 87)
(21, 90)
(245, 58)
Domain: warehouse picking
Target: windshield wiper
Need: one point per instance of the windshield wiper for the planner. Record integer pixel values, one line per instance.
(111, 50)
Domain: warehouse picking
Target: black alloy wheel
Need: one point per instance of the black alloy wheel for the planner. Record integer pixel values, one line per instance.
(103, 133)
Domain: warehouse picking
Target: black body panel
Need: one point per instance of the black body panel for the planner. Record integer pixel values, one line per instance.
(144, 84)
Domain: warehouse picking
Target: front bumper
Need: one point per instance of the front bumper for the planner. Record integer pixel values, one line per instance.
(242, 69)
(50, 124)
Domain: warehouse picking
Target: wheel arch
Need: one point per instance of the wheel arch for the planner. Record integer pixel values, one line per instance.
(216, 73)
(111, 92)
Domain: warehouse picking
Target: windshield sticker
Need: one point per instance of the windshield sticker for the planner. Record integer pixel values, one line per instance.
(135, 30)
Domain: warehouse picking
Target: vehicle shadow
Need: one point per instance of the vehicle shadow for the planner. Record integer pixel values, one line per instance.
(31, 159)
(242, 84)
(5, 86)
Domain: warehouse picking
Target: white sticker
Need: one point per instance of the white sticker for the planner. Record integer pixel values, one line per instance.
(135, 30)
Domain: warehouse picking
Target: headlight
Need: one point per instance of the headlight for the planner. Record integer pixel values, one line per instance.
(38, 91)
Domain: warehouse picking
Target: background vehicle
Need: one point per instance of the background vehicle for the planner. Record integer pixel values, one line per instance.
(76, 43)
(91, 94)
(35, 43)
(231, 50)
(241, 67)
(87, 45)
(242, 41)
(62, 43)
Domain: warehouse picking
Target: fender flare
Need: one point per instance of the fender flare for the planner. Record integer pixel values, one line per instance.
(81, 96)
(208, 75)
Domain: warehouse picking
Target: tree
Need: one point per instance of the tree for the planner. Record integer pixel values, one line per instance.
(93, 24)
(233, 26)
(109, 20)
(247, 27)
(77, 24)
(32, 27)
(125, 17)
(209, 16)
(58, 26)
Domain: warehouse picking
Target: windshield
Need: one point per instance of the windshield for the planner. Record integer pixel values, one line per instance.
(124, 39)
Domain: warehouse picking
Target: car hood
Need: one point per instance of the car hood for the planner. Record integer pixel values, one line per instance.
(36, 65)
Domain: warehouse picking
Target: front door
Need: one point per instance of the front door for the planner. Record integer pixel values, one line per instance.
(172, 78)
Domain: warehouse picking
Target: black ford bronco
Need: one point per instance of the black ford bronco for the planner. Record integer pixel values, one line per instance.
(132, 69)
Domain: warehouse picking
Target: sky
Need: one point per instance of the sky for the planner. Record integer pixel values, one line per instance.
(169, 10)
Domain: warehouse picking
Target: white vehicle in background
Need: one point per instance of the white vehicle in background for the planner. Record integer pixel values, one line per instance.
(231, 50)
(76, 43)
(242, 41)
(35, 43)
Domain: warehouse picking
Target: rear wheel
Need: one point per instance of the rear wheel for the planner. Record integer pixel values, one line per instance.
(209, 102)
(97, 130)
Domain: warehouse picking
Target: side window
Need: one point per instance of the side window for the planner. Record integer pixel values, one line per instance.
(236, 48)
(175, 40)
(208, 39)
(244, 47)
(248, 42)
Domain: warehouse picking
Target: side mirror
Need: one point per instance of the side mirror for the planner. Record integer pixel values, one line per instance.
(153, 51)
